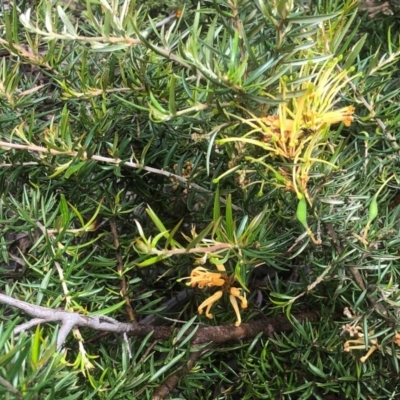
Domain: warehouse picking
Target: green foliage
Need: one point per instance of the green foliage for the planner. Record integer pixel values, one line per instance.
(134, 147)
(33, 366)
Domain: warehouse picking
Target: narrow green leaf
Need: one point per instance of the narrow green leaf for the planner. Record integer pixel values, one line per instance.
(19, 362)
(234, 48)
(281, 6)
(43, 286)
(229, 219)
(156, 238)
(149, 261)
(167, 368)
(60, 169)
(240, 71)
(340, 34)
(35, 350)
(157, 222)
(210, 42)
(106, 48)
(196, 21)
(170, 154)
(260, 71)
(131, 103)
(317, 371)
(200, 236)
(66, 21)
(373, 210)
(183, 330)
(242, 226)
(217, 205)
(10, 33)
(89, 225)
(354, 53)
(108, 310)
(77, 213)
(47, 19)
(240, 276)
(311, 19)
(145, 150)
(171, 235)
(6, 334)
(156, 104)
(171, 101)
(227, 173)
(301, 212)
(74, 168)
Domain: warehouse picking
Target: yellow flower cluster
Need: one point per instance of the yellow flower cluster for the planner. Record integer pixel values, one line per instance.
(359, 343)
(203, 278)
(298, 133)
(287, 131)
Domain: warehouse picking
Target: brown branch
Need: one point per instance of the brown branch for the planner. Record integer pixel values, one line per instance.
(214, 335)
(120, 269)
(170, 383)
(224, 333)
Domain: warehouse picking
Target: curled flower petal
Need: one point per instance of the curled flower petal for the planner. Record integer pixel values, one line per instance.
(396, 338)
(370, 351)
(236, 308)
(344, 115)
(202, 278)
(209, 303)
(235, 294)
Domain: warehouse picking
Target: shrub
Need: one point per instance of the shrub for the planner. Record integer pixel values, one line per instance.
(237, 155)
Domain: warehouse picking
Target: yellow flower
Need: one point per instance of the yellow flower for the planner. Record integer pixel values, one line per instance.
(203, 278)
(344, 115)
(359, 343)
(209, 303)
(235, 294)
(396, 338)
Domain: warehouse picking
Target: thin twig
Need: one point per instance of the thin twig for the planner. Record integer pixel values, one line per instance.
(115, 161)
(28, 325)
(11, 388)
(24, 164)
(70, 319)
